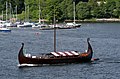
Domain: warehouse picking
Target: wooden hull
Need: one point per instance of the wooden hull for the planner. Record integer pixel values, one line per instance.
(82, 57)
(26, 60)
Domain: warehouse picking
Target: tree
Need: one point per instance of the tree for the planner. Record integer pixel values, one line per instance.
(83, 11)
(63, 9)
(99, 11)
(110, 7)
(52, 9)
(116, 11)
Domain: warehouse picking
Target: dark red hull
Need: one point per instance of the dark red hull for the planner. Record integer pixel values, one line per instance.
(82, 57)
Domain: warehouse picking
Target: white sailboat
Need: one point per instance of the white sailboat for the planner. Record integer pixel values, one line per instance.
(41, 23)
(9, 22)
(26, 23)
(74, 24)
(3, 27)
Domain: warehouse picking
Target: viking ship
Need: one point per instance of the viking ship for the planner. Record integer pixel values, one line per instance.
(56, 57)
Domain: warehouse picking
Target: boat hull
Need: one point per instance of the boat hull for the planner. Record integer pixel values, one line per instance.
(27, 60)
(5, 30)
(54, 58)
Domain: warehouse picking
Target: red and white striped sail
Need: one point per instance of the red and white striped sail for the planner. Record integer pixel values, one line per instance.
(66, 53)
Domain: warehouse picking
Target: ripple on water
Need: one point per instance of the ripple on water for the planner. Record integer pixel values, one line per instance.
(105, 38)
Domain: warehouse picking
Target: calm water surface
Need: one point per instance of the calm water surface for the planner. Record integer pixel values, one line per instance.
(105, 40)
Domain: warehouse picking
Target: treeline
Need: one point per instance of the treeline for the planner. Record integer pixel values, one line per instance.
(63, 9)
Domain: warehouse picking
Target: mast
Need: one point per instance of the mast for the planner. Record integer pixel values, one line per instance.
(74, 10)
(28, 12)
(54, 31)
(25, 11)
(6, 10)
(2, 15)
(13, 13)
(16, 12)
(10, 12)
(39, 13)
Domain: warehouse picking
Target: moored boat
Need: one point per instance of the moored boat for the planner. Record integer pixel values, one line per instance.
(60, 26)
(56, 57)
(73, 25)
(24, 25)
(4, 29)
(2, 23)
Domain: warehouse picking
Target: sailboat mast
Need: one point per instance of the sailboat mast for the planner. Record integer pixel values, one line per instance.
(54, 31)
(74, 10)
(28, 13)
(6, 10)
(25, 11)
(10, 12)
(16, 12)
(39, 13)
(2, 15)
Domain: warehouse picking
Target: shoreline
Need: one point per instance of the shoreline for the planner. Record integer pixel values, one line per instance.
(104, 20)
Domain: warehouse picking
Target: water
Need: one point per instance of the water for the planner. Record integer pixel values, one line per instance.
(105, 40)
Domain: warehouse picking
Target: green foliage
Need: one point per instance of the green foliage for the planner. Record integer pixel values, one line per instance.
(63, 9)
(83, 11)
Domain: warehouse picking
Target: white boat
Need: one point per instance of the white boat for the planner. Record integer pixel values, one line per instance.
(20, 25)
(41, 23)
(25, 24)
(36, 25)
(4, 29)
(2, 23)
(10, 24)
(74, 24)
